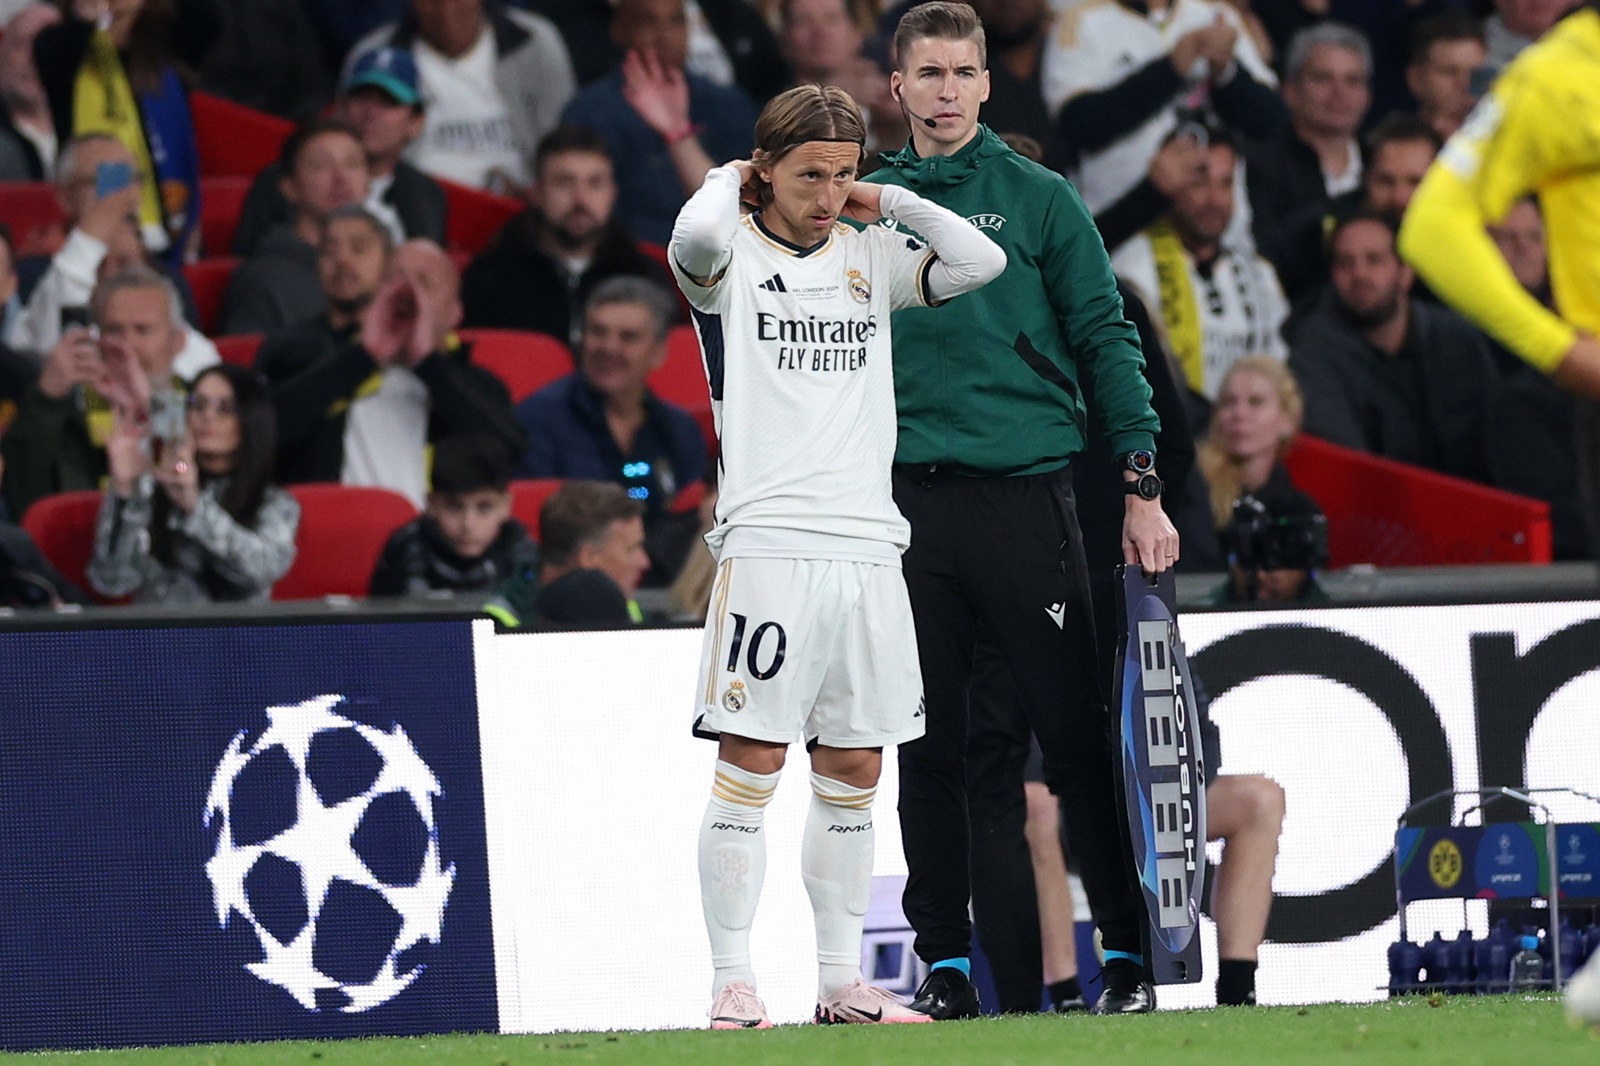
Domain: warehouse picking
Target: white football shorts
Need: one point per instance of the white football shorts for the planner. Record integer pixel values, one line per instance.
(818, 650)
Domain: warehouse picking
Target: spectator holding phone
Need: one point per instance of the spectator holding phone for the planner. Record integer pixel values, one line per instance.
(57, 443)
(97, 189)
(111, 67)
(190, 512)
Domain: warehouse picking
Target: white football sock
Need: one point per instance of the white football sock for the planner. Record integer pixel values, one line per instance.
(836, 863)
(733, 862)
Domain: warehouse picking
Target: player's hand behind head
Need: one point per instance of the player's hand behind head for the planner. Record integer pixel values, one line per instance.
(864, 203)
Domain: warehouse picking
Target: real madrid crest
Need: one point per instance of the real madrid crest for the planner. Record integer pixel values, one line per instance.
(733, 699)
(860, 288)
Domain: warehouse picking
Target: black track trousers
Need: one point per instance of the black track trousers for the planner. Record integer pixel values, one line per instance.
(1004, 555)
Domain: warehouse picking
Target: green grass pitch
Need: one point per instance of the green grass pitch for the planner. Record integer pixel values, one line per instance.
(1441, 1031)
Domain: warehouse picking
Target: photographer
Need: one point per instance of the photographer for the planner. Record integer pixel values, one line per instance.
(1277, 542)
(190, 514)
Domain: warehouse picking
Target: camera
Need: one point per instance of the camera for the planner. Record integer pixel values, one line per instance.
(1277, 532)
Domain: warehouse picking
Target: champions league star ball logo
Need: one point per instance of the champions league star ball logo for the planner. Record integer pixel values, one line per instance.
(328, 848)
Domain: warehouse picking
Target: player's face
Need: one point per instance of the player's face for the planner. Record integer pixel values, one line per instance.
(809, 188)
(942, 80)
(576, 192)
(1442, 80)
(620, 348)
(1521, 240)
(1394, 175)
(1250, 416)
(619, 555)
(1330, 96)
(1368, 276)
(470, 521)
(1201, 211)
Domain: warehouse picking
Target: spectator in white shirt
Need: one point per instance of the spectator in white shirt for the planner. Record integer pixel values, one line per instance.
(494, 80)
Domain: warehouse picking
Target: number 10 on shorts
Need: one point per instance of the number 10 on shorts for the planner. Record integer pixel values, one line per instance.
(757, 649)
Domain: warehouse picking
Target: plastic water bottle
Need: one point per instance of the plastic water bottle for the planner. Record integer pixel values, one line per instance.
(1436, 960)
(1527, 966)
(1458, 975)
(1405, 960)
(1569, 948)
(1492, 958)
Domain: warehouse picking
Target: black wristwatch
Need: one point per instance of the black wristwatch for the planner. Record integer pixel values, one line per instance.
(1142, 461)
(1146, 486)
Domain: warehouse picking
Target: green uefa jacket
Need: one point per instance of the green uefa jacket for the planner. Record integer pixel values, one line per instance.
(988, 383)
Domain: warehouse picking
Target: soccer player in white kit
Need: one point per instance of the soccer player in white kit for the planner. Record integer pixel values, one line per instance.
(810, 635)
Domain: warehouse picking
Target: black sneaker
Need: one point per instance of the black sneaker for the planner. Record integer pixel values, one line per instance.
(1127, 989)
(947, 995)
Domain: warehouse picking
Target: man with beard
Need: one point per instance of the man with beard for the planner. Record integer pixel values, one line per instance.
(1384, 372)
(352, 262)
(362, 392)
(1218, 302)
(540, 268)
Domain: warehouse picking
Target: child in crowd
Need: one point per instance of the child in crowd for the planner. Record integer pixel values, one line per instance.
(466, 539)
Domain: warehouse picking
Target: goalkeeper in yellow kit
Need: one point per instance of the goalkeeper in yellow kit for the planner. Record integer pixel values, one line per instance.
(1536, 131)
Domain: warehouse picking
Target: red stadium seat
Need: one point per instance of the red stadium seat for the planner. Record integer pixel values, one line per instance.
(30, 208)
(238, 348)
(475, 216)
(681, 379)
(342, 531)
(527, 500)
(688, 498)
(1392, 514)
(524, 360)
(63, 527)
(208, 280)
(234, 140)
(221, 203)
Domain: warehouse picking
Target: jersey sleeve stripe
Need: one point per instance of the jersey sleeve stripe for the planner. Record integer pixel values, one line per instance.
(922, 281)
(709, 326)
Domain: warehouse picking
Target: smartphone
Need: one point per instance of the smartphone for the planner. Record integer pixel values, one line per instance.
(112, 177)
(168, 424)
(76, 317)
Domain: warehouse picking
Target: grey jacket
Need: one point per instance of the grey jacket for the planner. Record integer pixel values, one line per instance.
(217, 558)
(532, 69)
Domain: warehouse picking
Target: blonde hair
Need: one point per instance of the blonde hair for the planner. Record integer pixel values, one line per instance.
(1222, 471)
(803, 114)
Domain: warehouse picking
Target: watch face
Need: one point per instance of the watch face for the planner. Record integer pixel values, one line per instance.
(1149, 486)
(1141, 461)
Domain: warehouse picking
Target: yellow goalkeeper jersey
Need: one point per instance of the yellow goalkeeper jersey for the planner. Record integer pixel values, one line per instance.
(1536, 131)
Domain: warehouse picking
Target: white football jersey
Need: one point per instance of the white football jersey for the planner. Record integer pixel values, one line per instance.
(796, 349)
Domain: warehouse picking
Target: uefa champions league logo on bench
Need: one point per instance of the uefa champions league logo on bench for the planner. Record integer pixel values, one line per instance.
(328, 848)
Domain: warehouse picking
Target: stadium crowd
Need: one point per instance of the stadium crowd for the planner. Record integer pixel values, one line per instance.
(1249, 165)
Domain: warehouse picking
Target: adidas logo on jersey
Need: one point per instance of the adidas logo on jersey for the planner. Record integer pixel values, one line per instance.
(773, 284)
